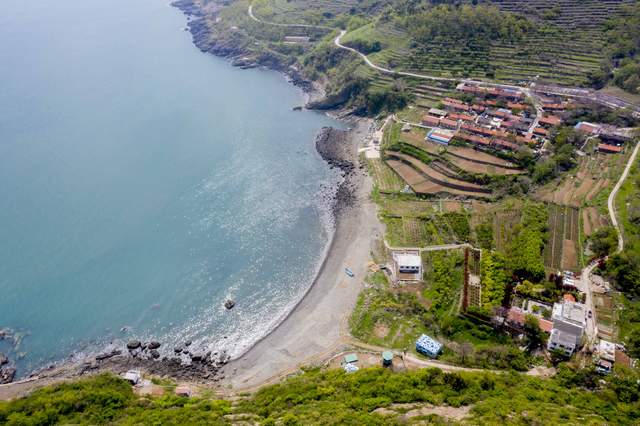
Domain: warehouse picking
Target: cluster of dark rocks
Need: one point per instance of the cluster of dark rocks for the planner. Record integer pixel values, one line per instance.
(186, 363)
(7, 372)
(144, 350)
(334, 148)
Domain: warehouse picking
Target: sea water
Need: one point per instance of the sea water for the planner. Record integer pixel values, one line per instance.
(143, 183)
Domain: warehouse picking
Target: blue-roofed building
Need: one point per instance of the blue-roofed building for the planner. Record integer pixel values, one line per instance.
(439, 136)
(428, 346)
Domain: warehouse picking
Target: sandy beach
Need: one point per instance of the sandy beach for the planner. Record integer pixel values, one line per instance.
(318, 325)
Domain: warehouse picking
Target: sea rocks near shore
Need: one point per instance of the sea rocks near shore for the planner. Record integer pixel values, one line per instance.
(188, 361)
(335, 148)
(7, 372)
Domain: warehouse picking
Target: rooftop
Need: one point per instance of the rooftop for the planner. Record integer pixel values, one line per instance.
(407, 259)
(570, 311)
(429, 344)
(567, 340)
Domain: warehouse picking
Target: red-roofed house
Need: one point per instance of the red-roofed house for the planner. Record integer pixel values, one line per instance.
(449, 124)
(590, 128)
(550, 120)
(515, 105)
(609, 149)
(430, 120)
(517, 317)
(541, 131)
(456, 105)
(501, 143)
(463, 117)
(478, 140)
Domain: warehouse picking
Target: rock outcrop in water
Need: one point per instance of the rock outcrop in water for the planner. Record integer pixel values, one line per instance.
(334, 147)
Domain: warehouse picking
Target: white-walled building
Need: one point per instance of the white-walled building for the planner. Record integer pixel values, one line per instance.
(569, 322)
(407, 265)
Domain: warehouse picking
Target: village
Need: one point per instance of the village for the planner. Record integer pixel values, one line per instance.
(447, 159)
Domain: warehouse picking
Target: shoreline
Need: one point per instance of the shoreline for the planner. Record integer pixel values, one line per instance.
(339, 148)
(317, 324)
(314, 328)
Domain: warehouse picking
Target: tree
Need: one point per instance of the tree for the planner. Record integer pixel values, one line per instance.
(536, 338)
(603, 241)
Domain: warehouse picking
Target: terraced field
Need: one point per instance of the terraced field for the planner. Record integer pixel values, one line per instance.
(425, 179)
(561, 251)
(567, 48)
(385, 179)
(582, 185)
(418, 227)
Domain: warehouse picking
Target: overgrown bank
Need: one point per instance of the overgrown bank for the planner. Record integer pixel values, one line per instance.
(372, 396)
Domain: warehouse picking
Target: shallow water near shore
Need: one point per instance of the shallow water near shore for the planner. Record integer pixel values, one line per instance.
(142, 183)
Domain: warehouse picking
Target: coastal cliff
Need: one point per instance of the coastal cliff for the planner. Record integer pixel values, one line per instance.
(213, 35)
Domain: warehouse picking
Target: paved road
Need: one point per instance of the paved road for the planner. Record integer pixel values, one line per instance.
(581, 93)
(612, 197)
(591, 330)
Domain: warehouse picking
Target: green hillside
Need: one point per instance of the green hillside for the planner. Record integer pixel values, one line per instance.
(372, 397)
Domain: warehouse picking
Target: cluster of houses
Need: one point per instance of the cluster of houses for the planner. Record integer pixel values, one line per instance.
(612, 138)
(500, 119)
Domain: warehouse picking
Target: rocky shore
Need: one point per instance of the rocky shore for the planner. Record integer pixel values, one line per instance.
(186, 362)
(335, 147)
(231, 44)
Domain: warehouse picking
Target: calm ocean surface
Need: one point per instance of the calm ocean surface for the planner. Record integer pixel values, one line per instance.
(142, 183)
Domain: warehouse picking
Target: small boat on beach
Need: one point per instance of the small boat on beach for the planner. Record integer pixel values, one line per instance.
(349, 272)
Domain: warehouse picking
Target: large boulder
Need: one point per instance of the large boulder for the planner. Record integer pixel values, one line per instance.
(7, 374)
(133, 344)
(229, 304)
(154, 345)
(3, 359)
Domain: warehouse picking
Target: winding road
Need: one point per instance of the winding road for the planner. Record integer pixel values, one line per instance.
(614, 192)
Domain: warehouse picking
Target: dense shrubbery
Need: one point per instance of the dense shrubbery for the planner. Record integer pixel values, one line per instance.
(524, 255)
(623, 37)
(467, 23)
(494, 279)
(107, 399)
(333, 397)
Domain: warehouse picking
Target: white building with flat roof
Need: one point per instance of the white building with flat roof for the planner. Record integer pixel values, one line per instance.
(407, 265)
(569, 321)
(559, 339)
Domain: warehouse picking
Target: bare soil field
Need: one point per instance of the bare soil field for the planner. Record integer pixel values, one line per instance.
(476, 167)
(419, 142)
(569, 255)
(479, 156)
(592, 220)
(593, 174)
(561, 251)
(437, 176)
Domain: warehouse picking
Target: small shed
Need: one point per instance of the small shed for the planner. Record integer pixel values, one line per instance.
(428, 346)
(132, 376)
(350, 358)
(387, 358)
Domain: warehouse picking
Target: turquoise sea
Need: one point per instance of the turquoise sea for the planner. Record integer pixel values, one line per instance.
(142, 183)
